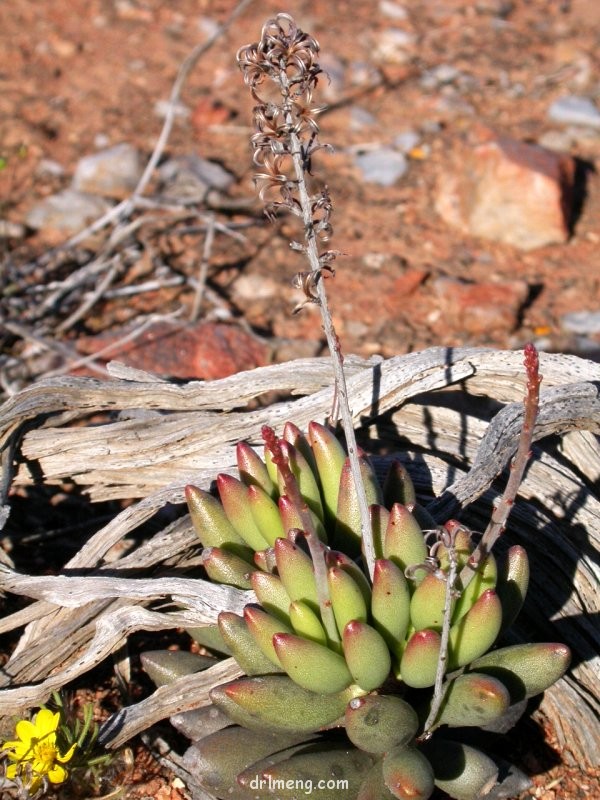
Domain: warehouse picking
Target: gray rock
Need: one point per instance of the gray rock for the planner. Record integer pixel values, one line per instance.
(406, 140)
(581, 322)
(361, 118)
(47, 168)
(208, 26)
(392, 10)
(455, 105)
(161, 109)
(497, 8)
(68, 211)
(442, 75)
(112, 173)
(189, 178)
(432, 126)
(290, 349)
(362, 73)
(383, 166)
(11, 230)
(101, 141)
(573, 110)
(395, 46)
(561, 141)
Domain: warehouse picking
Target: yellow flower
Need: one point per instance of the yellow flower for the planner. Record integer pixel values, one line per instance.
(36, 753)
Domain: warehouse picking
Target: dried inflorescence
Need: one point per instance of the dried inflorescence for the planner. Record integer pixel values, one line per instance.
(283, 65)
(285, 56)
(285, 61)
(282, 46)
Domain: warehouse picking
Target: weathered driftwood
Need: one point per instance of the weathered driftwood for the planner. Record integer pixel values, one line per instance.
(436, 406)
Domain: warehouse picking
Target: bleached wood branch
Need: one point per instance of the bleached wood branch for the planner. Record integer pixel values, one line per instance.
(112, 631)
(184, 694)
(436, 406)
(202, 597)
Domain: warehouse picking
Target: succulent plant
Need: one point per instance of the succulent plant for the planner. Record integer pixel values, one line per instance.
(341, 666)
(374, 629)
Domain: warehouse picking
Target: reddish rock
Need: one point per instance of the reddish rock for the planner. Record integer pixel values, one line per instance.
(206, 350)
(209, 112)
(509, 191)
(480, 308)
(409, 282)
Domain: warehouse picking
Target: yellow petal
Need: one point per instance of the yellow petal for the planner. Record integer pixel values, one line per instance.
(11, 771)
(57, 774)
(22, 751)
(11, 745)
(26, 730)
(68, 755)
(46, 722)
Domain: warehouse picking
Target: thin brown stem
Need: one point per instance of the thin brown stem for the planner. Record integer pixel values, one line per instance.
(340, 390)
(450, 577)
(518, 465)
(203, 270)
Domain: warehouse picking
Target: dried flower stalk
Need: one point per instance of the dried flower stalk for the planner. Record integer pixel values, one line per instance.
(282, 71)
(503, 507)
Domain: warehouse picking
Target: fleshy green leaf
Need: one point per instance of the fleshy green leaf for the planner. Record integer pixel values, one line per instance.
(376, 723)
(312, 666)
(276, 703)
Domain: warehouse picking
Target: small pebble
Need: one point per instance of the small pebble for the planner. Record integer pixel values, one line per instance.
(586, 347)
(11, 230)
(361, 118)
(192, 176)
(581, 322)
(375, 260)
(392, 10)
(441, 75)
(113, 172)
(406, 140)
(255, 287)
(497, 8)
(361, 73)
(395, 46)
(47, 168)
(561, 141)
(161, 109)
(101, 141)
(383, 166)
(68, 211)
(573, 110)
(207, 26)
